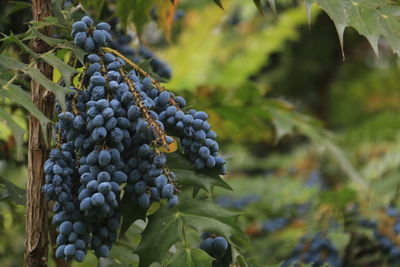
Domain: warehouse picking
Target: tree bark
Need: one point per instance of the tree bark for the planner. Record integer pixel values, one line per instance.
(36, 229)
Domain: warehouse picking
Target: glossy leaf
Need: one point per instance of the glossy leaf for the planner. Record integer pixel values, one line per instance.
(165, 227)
(373, 19)
(187, 175)
(130, 212)
(191, 258)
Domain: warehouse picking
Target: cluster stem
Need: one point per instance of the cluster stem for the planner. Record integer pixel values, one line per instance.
(141, 71)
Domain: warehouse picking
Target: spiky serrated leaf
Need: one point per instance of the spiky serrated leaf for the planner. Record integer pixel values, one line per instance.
(130, 212)
(59, 43)
(17, 131)
(49, 21)
(165, 227)
(373, 19)
(20, 97)
(14, 40)
(17, 6)
(35, 74)
(66, 70)
(187, 175)
(9, 190)
(191, 258)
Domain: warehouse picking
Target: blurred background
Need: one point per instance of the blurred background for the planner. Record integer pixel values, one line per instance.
(311, 139)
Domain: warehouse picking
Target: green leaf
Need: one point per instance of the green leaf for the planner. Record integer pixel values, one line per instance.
(48, 21)
(292, 120)
(187, 175)
(272, 5)
(9, 190)
(13, 64)
(20, 97)
(241, 261)
(165, 227)
(163, 230)
(59, 43)
(283, 123)
(339, 239)
(138, 11)
(18, 132)
(17, 7)
(219, 3)
(259, 6)
(130, 212)
(191, 258)
(371, 18)
(13, 39)
(66, 70)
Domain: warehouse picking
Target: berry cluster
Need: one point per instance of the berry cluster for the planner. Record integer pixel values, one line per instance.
(89, 38)
(109, 143)
(122, 41)
(198, 140)
(316, 251)
(217, 247)
(157, 65)
(387, 232)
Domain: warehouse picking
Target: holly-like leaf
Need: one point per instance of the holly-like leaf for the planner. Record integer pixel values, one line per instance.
(66, 70)
(165, 227)
(20, 97)
(14, 40)
(371, 18)
(130, 212)
(191, 258)
(17, 6)
(58, 43)
(9, 190)
(35, 74)
(187, 175)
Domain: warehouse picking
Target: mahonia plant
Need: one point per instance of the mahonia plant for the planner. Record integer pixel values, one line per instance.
(111, 141)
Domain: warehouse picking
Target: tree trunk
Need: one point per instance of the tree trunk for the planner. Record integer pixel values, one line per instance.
(36, 229)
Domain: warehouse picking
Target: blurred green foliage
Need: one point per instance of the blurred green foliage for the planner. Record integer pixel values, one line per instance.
(269, 84)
